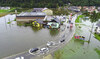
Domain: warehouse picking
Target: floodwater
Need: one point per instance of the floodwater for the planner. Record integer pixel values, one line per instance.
(16, 39)
(76, 49)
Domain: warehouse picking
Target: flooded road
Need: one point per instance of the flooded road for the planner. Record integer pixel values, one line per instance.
(15, 39)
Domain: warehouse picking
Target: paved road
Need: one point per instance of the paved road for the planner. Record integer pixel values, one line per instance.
(66, 34)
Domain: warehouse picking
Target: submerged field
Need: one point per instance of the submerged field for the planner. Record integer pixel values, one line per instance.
(78, 49)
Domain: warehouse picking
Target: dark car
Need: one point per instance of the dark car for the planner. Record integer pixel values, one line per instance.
(31, 51)
(63, 40)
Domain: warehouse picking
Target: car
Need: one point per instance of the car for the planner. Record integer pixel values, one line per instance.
(33, 50)
(20, 57)
(44, 50)
(63, 36)
(50, 43)
(63, 40)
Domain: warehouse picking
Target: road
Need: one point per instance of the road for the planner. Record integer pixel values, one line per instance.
(66, 34)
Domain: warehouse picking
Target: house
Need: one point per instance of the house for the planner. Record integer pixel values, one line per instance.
(98, 28)
(98, 9)
(47, 11)
(54, 23)
(4, 8)
(74, 8)
(37, 23)
(30, 16)
(89, 8)
(37, 9)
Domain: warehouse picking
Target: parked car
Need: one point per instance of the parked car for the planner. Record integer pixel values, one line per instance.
(33, 50)
(63, 40)
(44, 50)
(50, 43)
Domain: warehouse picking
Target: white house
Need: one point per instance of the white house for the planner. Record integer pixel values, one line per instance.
(4, 8)
(47, 11)
(98, 29)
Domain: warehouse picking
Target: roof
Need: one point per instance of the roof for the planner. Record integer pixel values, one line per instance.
(73, 7)
(56, 20)
(32, 14)
(39, 21)
(98, 24)
(37, 9)
(44, 9)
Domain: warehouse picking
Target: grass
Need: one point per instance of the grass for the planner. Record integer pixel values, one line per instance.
(3, 14)
(8, 22)
(98, 51)
(48, 57)
(14, 19)
(81, 40)
(78, 19)
(58, 55)
(5, 11)
(97, 36)
(12, 10)
(1, 11)
(19, 24)
(28, 24)
(73, 47)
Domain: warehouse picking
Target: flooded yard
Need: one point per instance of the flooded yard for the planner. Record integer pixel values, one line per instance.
(16, 39)
(77, 49)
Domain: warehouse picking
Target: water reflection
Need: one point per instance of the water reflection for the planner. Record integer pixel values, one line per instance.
(25, 24)
(79, 41)
(36, 29)
(20, 23)
(54, 32)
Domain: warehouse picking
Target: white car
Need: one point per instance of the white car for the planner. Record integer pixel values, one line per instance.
(50, 43)
(44, 50)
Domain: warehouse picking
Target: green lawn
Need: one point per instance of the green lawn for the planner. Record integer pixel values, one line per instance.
(1, 11)
(78, 20)
(98, 51)
(97, 36)
(5, 11)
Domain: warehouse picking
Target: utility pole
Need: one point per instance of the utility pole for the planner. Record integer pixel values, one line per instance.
(91, 32)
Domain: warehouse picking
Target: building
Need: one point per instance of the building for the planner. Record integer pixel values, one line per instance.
(47, 11)
(98, 9)
(37, 9)
(4, 8)
(30, 16)
(55, 23)
(37, 23)
(89, 8)
(98, 28)
(74, 8)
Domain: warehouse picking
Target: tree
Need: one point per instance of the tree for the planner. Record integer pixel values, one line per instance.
(94, 17)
